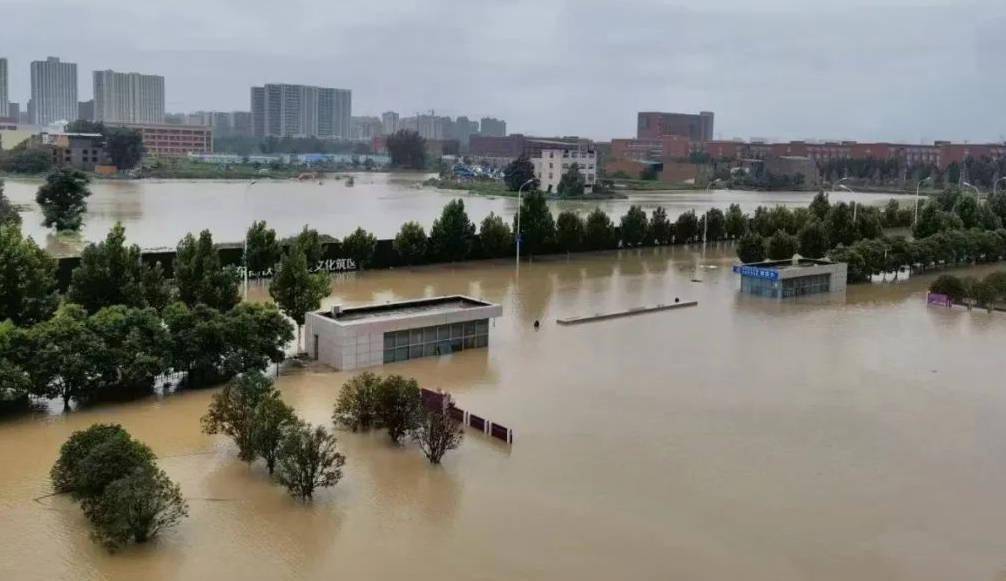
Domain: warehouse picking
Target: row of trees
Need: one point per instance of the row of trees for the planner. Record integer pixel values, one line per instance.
(124, 494)
(986, 292)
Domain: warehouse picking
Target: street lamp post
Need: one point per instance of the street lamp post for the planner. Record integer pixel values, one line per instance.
(520, 191)
(851, 191)
(978, 193)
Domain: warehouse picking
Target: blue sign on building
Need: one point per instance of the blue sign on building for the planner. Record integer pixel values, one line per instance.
(755, 272)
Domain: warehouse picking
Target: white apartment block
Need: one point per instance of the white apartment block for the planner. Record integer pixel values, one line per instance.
(53, 91)
(281, 110)
(552, 163)
(128, 97)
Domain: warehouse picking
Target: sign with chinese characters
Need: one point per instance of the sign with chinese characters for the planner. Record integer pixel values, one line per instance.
(755, 272)
(324, 265)
(938, 299)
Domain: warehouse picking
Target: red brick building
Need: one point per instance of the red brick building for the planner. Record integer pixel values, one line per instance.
(173, 140)
(655, 124)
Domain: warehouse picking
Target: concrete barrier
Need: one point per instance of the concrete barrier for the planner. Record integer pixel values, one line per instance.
(626, 313)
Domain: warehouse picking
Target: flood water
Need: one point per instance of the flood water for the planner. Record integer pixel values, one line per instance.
(158, 213)
(857, 437)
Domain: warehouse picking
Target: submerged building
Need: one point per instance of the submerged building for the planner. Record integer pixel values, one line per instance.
(373, 335)
(781, 279)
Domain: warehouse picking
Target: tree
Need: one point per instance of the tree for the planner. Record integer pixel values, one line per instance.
(27, 279)
(407, 150)
(124, 146)
(436, 433)
(232, 411)
(109, 460)
(751, 248)
(598, 231)
(309, 242)
(839, 226)
(109, 273)
(569, 229)
(157, 290)
(735, 223)
(27, 160)
(452, 233)
(715, 224)
(892, 214)
(199, 276)
(356, 407)
(15, 381)
(136, 346)
(63, 199)
(782, 245)
(966, 208)
(262, 251)
(633, 226)
(519, 172)
(135, 507)
(571, 184)
(309, 460)
(398, 406)
(69, 360)
(820, 205)
(66, 472)
(814, 240)
(537, 227)
(660, 227)
(271, 420)
(869, 223)
(686, 229)
(8, 212)
(410, 243)
(495, 237)
(296, 290)
(997, 202)
(85, 126)
(949, 285)
(359, 246)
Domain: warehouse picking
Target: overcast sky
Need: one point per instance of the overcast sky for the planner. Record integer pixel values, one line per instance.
(854, 69)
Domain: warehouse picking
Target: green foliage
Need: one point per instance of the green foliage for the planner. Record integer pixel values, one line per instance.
(359, 246)
(309, 460)
(135, 507)
(15, 356)
(857, 269)
(949, 285)
(232, 411)
(199, 276)
(634, 227)
(111, 273)
(295, 289)
(660, 227)
(437, 433)
(452, 233)
(735, 222)
(599, 232)
(411, 242)
(27, 279)
(66, 472)
(107, 461)
(356, 407)
(686, 228)
(966, 209)
(270, 422)
(869, 223)
(814, 240)
(398, 406)
(495, 237)
(716, 229)
(407, 150)
(537, 227)
(820, 206)
(569, 231)
(23, 159)
(63, 198)
(751, 248)
(9, 215)
(309, 242)
(124, 147)
(262, 250)
(839, 226)
(69, 360)
(137, 347)
(518, 173)
(782, 245)
(571, 183)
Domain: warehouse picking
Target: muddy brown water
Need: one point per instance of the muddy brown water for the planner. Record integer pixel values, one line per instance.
(158, 213)
(856, 437)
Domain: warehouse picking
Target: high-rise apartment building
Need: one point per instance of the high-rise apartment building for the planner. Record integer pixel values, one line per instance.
(492, 127)
(128, 97)
(654, 125)
(53, 91)
(85, 110)
(4, 94)
(389, 122)
(280, 110)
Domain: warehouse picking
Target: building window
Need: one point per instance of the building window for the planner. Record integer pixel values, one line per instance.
(435, 340)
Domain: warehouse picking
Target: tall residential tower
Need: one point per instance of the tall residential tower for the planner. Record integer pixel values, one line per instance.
(4, 94)
(128, 97)
(280, 110)
(53, 91)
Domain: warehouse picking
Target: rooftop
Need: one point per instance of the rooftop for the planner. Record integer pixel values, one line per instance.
(404, 309)
(796, 262)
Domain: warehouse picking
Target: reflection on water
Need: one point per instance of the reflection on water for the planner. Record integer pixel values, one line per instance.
(158, 213)
(832, 438)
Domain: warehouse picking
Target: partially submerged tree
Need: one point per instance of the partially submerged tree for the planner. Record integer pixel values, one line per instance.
(270, 423)
(411, 242)
(201, 278)
(309, 460)
(569, 231)
(135, 507)
(398, 406)
(359, 246)
(436, 433)
(452, 233)
(262, 249)
(356, 407)
(63, 198)
(296, 290)
(495, 237)
(633, 226)
(28, 292)
(232, 411)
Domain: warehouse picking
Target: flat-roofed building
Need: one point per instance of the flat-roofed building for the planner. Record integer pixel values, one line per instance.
(783, 279)
(385, 333)
(162, 140)
(551, 164)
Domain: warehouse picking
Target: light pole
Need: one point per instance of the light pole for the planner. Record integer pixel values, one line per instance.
(851, 191)
(978, 193)
(918, 189)
(520, 190)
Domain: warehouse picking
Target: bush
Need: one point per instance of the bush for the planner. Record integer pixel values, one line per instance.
(495, 237)
(135, 507)
(751, 248)
(356, 407)
(232, 411)
(65, 474)
(599, 233)
(114, 457)
(782, 246)
(633, 226)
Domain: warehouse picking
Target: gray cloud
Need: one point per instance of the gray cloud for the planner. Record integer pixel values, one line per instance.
(858, 69)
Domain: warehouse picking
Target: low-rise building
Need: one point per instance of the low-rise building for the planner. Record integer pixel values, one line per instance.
(385, 333)
(782, 279)
(163, 140)
(550, 164)
(84, 151)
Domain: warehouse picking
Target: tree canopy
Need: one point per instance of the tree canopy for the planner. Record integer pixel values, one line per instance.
(63, 198)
